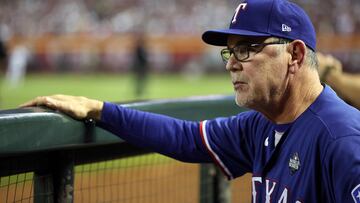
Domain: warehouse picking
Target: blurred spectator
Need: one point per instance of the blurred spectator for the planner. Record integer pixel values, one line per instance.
(3, 56)
(4, 40)
(162, 16)
(182, 17)
(140, 65)
(346, 85)
(18, 61)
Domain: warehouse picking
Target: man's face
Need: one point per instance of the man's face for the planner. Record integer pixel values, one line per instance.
(261, 79)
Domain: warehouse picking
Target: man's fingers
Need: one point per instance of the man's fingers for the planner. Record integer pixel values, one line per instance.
(40, 101)
(77, 107)
(27, 104)
(35, 102)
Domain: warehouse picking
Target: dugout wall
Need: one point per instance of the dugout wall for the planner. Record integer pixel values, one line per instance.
(46, 156)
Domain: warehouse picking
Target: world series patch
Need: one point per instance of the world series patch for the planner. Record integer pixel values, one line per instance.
(356, 194)
(294, 163)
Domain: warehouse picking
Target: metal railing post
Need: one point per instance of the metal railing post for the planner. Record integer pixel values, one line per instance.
(64, 180)
(223, 189)
(56, 183)
(207, 183)
(214, 187)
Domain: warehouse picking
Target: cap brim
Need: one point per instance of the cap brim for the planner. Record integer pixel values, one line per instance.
(219, 37)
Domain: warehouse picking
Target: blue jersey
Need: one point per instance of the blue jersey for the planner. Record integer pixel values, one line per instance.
(316, 158)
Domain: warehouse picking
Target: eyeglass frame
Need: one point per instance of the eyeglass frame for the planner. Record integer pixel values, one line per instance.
(248, 47)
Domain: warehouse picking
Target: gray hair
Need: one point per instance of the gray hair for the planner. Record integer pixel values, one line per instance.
(311, 58)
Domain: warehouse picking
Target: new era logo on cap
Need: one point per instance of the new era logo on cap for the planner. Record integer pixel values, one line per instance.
(285, 28)
(266, 18)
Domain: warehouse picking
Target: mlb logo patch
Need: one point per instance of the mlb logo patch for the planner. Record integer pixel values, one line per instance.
(356, 194)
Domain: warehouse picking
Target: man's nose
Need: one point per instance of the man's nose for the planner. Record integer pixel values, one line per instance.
(233, 64)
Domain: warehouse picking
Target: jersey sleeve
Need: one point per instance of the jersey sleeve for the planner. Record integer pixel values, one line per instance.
(227, 141)
(342, 165)
(172, 137)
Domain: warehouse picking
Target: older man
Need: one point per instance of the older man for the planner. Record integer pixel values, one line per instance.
(301, 142)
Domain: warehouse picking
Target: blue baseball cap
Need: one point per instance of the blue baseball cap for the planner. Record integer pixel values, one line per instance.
(266, 18)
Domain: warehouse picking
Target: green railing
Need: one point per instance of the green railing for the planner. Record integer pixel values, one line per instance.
(50, 143)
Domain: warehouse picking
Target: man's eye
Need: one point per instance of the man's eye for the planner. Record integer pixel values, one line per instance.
(253, 49)
(242, 50)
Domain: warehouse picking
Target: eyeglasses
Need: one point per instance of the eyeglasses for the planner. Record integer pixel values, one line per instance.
(243, 51)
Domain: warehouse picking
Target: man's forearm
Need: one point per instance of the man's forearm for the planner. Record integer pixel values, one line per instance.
(176, 138)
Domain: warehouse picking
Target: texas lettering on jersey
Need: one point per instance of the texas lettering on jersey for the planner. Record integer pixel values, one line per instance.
(270, 186)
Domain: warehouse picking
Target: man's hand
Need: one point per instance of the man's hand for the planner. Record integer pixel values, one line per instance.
(76, 107)
(328, 65)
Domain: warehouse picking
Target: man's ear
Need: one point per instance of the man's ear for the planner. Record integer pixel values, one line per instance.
(297, 50)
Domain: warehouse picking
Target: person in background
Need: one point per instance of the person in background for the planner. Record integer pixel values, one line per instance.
(17, 64)
(346, 85)
(140, 65)
(3, 56)
(3, 59)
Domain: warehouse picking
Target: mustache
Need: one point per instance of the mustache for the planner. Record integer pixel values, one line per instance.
(238, 78)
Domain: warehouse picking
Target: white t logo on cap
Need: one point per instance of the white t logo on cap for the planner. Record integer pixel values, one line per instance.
(241, 6)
